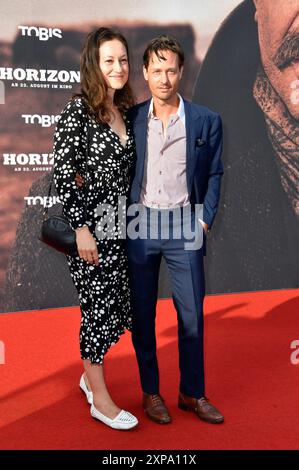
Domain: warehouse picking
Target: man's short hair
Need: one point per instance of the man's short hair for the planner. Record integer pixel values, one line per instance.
(163, 43)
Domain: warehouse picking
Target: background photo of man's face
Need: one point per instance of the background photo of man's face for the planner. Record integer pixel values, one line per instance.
(278, 27)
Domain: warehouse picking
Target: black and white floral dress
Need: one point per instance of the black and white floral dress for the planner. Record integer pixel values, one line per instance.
(103, 290)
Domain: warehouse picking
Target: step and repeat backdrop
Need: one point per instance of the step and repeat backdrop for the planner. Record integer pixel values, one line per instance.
(242, 60)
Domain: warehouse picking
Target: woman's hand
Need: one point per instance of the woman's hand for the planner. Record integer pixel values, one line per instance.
(86, 245)
(79, 180)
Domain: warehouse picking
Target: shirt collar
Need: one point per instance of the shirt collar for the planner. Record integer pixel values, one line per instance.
(180, 112)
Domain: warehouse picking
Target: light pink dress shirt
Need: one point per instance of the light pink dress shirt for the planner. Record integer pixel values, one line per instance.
(164, 182)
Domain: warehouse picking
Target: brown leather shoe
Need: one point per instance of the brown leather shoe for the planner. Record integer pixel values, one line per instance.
(204, 410)
(155, 408)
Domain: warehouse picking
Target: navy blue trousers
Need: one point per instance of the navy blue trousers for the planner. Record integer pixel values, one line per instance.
(186, 270)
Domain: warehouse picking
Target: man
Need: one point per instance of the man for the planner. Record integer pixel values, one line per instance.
(178, 146)
(253, 85)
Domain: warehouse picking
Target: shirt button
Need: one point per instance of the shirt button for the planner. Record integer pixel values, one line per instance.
(159, 191)
(160, 172)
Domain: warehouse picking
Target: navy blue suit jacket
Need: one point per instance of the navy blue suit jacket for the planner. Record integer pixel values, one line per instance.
(203, 155)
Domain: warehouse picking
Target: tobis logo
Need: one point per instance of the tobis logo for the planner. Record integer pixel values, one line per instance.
(41, 32)
(45, 201)
(44, 120)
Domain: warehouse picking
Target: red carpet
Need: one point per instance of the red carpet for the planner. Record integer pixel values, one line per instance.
(249, 377)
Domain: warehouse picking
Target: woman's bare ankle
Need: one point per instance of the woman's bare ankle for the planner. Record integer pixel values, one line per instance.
(86, 381)
(106, 406)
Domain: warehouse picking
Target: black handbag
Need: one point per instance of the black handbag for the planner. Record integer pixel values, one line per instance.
(56, 231)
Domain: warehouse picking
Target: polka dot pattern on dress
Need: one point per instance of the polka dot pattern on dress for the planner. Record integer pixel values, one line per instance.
(103, 290)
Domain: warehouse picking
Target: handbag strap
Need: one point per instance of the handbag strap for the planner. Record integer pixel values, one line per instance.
(86, 172)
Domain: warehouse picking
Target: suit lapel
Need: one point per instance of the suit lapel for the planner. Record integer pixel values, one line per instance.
(194, 123)
(140, 134)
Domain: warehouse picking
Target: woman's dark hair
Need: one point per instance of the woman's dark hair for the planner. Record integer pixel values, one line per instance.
(93, 85)
(163, 43)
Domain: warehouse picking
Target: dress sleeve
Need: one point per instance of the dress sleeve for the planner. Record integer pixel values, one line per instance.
(69, 150)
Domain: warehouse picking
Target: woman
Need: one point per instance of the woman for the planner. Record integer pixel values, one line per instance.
(100, 271)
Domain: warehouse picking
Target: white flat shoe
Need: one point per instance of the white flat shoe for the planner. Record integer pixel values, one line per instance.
(124, 420)
(87, 392)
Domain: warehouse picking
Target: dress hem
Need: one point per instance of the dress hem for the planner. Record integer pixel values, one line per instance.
(112, 342)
